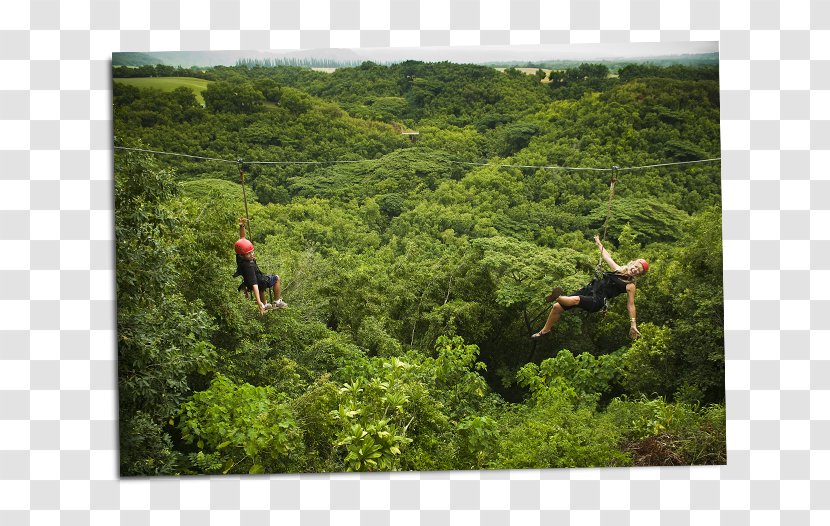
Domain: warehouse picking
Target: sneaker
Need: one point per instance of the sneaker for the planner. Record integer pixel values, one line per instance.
(557, 291)
(279, 304)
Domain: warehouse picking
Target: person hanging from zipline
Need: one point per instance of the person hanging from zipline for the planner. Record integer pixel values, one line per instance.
(593, 297)
(253, 278)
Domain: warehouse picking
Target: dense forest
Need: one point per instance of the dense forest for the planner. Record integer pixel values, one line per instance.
(415, 268)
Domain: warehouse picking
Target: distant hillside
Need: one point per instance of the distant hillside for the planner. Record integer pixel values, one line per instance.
(616, 63)
(327, 58)
(135, 59)
(339, 58)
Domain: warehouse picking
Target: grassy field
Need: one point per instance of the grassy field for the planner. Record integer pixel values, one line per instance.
(169, 84)
(531, 71)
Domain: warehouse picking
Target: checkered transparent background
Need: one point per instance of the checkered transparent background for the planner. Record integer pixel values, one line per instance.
(58, 423)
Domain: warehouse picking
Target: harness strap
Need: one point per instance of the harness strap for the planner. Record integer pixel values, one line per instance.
(245, 199)
(598, 269)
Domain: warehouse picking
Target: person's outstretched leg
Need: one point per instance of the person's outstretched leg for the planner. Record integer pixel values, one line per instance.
(278, 302)
(556, 312)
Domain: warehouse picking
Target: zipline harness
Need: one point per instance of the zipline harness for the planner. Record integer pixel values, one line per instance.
(248, 229)
(598, 274)
(598, 268)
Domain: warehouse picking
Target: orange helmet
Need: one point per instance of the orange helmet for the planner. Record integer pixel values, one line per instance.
(642, 262)
(243, 246)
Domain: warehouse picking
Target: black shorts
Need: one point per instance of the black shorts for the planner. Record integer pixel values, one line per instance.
(268, 281)
(587, 301)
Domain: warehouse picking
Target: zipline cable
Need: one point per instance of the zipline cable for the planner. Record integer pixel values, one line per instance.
(501, 165)
(309, 162)
(245, 199)
(239, 160)
(174, 154)
(614, 169)
(578, 168)
(665, 164)
(538, 167)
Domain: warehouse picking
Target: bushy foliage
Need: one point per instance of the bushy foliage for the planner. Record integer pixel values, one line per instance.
(241, 427)
(588, 375)
(145, 448)
(163, 340)
(558, 431)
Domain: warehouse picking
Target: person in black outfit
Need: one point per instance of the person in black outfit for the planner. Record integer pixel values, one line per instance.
(253, 278)
(593, 296)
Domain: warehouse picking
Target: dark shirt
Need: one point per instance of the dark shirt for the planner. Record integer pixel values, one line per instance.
(248, 270)
(611, 284)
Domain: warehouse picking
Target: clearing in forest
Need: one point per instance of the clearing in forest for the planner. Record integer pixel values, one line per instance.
(169, 84)
(531, 71)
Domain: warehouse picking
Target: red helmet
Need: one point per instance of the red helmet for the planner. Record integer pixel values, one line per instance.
(642, 262)
(243, 246)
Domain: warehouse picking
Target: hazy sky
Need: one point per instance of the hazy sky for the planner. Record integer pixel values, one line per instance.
(467, 54)
(540, 52)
